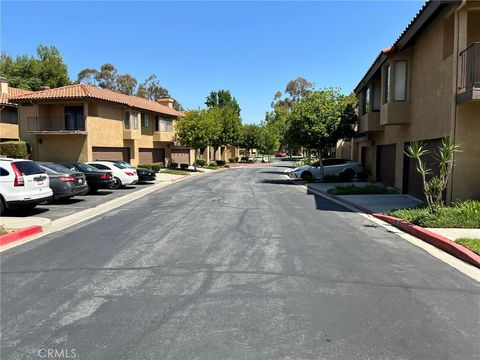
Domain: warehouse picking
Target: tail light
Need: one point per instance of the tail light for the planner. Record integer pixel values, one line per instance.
(106, 177)
(129, 173)
(68, 178)
(19, 181)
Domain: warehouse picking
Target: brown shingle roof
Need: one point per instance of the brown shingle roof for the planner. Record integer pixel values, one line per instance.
(82, 91)
(12, 92)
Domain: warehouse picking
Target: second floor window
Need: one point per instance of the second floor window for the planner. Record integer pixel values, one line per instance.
(157, 124)
(400, 82)
(386, 84)
(126, 120)
(134, 120)
(366, 99)
(166, 125)
(144, 120)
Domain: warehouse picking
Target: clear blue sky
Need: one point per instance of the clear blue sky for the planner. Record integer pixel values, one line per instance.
(251, 48)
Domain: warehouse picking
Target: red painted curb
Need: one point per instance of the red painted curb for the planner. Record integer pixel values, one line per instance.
(436, 240)
(432, 238)
(19, 234)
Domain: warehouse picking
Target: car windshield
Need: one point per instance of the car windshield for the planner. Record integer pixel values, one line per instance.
(120, 166)
(86, 168)
(57, 168)
(28, 167)
(126, 165)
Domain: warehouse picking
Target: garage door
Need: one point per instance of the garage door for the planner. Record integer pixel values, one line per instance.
(181, 156)
(412, 180)
(151, 156)
(111, 153)
(386, 164)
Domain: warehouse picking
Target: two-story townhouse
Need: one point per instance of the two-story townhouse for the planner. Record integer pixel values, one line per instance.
(424, 87)
(9, 111)
(84, 123)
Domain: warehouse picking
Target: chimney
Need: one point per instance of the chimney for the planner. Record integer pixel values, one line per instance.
(3, 85)
(44, 87)
(167, 101)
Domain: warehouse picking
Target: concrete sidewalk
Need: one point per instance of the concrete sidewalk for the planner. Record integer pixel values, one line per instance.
(379, 203)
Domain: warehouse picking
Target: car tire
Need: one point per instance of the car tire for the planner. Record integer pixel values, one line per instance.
(118, 183)
(306, 176)
(347, 174)
(2, 207)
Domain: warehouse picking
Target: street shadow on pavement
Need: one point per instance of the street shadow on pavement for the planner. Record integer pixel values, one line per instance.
(277, 181)
(24, 212)
(324, 204)
(273, 172)
(100, 193)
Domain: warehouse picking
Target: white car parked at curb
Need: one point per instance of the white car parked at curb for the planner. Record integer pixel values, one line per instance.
(345, 169)
(122, 175)
(23, 184)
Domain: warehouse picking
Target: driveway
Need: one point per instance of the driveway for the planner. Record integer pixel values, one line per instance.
(239, 264)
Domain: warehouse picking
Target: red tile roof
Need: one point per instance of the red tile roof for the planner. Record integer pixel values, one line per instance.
(84, 91)
(12, 92)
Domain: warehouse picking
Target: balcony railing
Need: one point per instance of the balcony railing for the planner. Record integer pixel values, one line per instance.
(57, 124)
(469, 77)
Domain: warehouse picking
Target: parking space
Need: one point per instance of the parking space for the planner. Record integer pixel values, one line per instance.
(59, 208)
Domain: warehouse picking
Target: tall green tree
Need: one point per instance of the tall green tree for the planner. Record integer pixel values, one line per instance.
(152, 90)
(30, 73)
(196, 129)
(106, 77)
(251, 137)
(87, 76)
(314, 119)
(126, 84)
(222, 99)
(269, 138)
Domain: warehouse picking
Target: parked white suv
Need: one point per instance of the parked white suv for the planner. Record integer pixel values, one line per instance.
(122, 175)
(23, 184)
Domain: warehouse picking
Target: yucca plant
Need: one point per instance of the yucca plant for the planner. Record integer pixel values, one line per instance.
(434, 187)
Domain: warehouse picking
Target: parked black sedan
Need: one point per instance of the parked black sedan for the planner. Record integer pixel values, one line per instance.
(64, 182)
(96, 179)
(143, 173)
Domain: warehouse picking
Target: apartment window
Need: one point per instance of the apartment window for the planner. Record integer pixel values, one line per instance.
(400, 82)
(386, 94)
(157, 125)
(144, 120)
(13, 117)
(134, 120)
(126, 120)
(366, 100)
(166, 125)
(377, 95)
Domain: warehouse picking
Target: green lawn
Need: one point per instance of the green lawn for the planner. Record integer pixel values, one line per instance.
(472, 244)
(464, 214)
(361, 190)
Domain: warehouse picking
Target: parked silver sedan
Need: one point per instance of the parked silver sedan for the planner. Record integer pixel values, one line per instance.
(345, 169)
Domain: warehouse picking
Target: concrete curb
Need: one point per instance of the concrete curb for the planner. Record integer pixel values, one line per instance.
(428, 236)
(19, 234)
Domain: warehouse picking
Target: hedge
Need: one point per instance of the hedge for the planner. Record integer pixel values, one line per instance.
(15, 149)
(201, 162)
(154, 167)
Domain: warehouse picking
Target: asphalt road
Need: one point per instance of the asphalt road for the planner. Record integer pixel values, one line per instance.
(239, 264)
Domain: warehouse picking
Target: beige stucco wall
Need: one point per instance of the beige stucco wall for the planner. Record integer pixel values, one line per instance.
(466, 174)
(9, 131)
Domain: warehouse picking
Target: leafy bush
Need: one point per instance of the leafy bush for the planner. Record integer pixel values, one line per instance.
(245, 158)
(15, 149)
(145, 166)
(298, 163)
(233, 159)
(200, 162)
(174, 172)
(464, 214)
(330, 178)
(361, 190)
(220, 163)
(156, 167)
(173, 165)
(184, 166)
